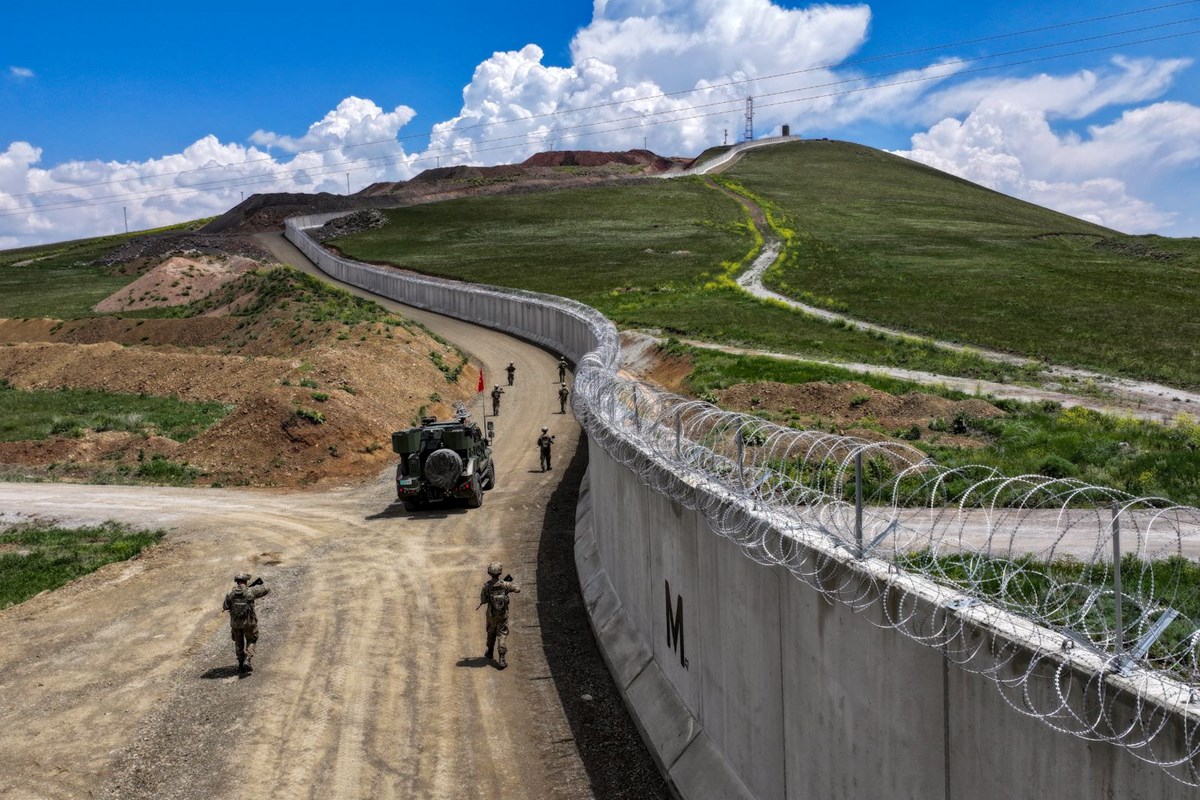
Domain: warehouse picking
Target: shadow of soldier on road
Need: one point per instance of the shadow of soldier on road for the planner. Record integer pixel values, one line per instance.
(474, 662)
(217, 673)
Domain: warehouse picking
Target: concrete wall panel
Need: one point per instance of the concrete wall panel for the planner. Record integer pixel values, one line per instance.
(862, 705)
(784, 694)
(740, 661)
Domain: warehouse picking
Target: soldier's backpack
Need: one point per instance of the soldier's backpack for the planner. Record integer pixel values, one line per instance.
(497, 601)
(241, 609)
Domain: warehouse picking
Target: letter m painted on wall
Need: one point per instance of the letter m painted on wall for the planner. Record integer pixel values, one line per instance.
(675, 626)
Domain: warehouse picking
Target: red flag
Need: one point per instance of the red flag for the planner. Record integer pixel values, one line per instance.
(479, 388)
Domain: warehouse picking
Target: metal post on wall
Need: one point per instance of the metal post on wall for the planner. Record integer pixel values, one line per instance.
(679, 433)
(741, 457)
(1119, 622)
(858, 504)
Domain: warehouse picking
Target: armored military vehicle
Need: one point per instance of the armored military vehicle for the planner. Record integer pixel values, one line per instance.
(442, 461)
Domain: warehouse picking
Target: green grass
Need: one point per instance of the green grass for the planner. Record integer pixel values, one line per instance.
(39, 414)
(1140, 457)
(36, 557)
(287, 291)
(1059, 593)
(1136, 456)
(898, 243)
(63, 283)
(658, 254)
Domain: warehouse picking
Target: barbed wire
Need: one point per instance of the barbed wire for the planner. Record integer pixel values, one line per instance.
(1009, 577)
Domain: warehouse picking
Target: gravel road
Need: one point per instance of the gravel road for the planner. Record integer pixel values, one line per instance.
(370, 679)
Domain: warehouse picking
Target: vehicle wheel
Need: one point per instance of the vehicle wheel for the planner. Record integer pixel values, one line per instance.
(412, 505)
(476, 498)
(491, 478)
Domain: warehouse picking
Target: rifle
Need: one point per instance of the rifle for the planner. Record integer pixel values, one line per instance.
(257, 582)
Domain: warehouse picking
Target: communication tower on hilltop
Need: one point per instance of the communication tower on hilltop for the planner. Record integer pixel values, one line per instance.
(749, 119)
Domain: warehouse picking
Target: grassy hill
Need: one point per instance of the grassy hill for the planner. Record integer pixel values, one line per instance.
(63, 280)
(895, 242)
(655, 254)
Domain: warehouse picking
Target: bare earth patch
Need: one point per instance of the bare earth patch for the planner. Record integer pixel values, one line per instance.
(849, 407)
(310, 401)
(175, 281)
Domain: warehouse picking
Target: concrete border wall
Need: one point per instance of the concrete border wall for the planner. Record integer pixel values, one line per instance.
(748, 683)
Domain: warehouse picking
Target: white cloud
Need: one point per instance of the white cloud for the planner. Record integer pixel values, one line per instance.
(1005, 140)
(632, 54)
(995, 131)
(84, 198)
(20, 73)
(354, 122)
(1073, 96)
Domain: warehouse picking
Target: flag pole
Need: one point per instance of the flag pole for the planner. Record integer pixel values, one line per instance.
(482, 399)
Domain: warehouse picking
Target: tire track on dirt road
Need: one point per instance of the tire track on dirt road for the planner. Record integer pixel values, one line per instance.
(369, 680)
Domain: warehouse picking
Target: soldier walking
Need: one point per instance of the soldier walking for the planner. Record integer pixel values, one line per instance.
(496, 392)
(563, 394)
(511, 369)
(544, 441)
(562, 369)
(495, 596)
(243, 622)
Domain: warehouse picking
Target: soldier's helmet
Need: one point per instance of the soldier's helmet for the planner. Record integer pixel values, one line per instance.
(544, 430)
(495, 568)
(241, 577)
(497, 386)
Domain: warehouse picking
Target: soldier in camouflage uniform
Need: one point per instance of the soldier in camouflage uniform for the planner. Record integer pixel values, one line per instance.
(562, 369)
(563, 394)
(243, 622)
(494, 595)
(496, 392)
(544, 443)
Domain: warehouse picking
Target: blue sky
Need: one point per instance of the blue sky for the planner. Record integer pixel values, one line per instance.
(161, 97)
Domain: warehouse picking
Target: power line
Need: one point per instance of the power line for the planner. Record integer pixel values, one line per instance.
(663, 95)
(637, 123)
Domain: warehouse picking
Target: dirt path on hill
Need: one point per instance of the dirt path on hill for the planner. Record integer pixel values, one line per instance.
(1113, 395)
(370, 679)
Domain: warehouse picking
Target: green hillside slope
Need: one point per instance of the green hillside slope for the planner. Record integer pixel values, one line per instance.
(655, 254)
(899, 243)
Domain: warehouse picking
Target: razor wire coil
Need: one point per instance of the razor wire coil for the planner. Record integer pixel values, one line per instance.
(1018, 570)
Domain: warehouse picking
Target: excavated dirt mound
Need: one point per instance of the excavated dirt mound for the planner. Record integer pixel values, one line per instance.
(137, 255)
(309, 399)
(847, 406)
(266, 212)
(176, 281)
(540, 172)
(591, 158)
(464, 172)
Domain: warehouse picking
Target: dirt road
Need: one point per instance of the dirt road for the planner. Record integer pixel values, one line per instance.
(370, 679)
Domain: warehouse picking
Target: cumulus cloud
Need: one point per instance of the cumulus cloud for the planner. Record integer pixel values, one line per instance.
(84, 198)
(1074, 96)
(20, 73)
(675, 74)
(355, 121)
(1006, 141)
